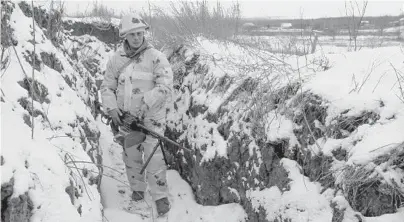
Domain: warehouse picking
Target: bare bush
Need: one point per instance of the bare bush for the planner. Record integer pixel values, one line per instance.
(54, 26)
(186, 20)
(7, 36)
(400, 82)
(354, 13)
(97, 10)
(99, 14)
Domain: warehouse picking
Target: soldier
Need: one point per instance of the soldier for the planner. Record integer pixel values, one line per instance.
(139, 80)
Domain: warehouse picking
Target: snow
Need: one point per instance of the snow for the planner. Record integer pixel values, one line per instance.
(199, 135)
(38, 165)
(92, 20)
(301, 203)
(371, 79)
(279, 127)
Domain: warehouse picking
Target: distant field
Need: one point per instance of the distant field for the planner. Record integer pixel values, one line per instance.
(296, 44)
(391, 31)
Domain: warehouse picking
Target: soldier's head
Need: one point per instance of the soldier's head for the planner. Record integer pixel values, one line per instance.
(132, 27)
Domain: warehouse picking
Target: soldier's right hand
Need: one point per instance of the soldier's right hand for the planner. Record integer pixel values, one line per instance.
(116, 114)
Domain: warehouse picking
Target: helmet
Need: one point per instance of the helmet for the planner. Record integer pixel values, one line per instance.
(131, 23)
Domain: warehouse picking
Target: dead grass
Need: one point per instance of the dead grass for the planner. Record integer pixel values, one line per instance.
(393, 158)
(317, 167)
(342, 126)
(368, 192)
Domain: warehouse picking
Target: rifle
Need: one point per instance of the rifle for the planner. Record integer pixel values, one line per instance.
(133, 123)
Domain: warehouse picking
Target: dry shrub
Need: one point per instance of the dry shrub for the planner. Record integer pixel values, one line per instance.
(342, 126)
(400, 80)
(99, 16)
(318, 168)
(284, 45)
(393, 158)
(47, 18)
(182, 66)
(338, 214)
(26, 104)
(35, 89)
(309, 112)
(185, 20)
(98, 10)
(264, 100)
(368, 193)
(52, 61)
(7, 35)
(7, 38)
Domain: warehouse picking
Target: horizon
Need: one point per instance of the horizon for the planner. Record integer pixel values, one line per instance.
(257, 9)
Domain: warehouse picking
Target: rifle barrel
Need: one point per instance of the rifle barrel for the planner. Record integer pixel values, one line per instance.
(162, 137)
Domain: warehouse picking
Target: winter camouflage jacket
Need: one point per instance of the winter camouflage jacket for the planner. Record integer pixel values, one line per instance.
(147, 79)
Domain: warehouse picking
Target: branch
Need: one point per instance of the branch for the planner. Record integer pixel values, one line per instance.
(33, 71)
(98, 165)
(81, 177)
(399, 81)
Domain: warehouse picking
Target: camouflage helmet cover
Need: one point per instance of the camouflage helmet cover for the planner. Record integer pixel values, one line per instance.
(131, 23)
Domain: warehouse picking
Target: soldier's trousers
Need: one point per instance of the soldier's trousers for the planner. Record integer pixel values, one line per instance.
(134, 156)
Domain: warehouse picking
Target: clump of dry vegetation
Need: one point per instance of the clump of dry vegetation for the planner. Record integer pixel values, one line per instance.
(368, 192)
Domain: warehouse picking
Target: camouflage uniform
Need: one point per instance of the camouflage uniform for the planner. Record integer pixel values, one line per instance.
(148, 79)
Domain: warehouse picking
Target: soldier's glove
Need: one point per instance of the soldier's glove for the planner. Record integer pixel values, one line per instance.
(118, 136)
(142, 112)
(116, 116)
(122, 131)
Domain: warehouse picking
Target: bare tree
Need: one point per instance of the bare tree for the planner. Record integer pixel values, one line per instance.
(354, 12)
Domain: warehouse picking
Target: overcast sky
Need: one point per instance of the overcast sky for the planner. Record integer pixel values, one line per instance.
(259, 8)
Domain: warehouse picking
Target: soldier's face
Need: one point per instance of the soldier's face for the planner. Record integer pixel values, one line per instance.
(135, 39)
